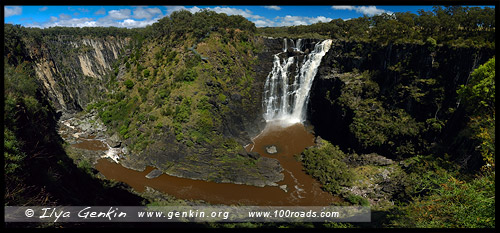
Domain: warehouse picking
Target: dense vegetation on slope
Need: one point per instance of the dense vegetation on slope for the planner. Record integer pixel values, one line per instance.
(183, 95)
(168, 84)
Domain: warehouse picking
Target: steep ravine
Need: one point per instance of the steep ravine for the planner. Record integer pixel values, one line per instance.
(268, 168)
(73, 74)
(241, 125)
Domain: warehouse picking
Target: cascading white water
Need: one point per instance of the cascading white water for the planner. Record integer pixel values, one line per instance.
(297, 47)
(285, 102)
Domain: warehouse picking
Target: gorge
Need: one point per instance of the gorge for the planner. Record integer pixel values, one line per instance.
(224, 113)
(286, 132)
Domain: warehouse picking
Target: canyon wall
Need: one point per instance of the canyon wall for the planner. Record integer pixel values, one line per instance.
(72, 69)
(360, 83)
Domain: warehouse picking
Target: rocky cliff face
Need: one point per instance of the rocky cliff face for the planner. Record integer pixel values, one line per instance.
(419, 79)
(72, 69)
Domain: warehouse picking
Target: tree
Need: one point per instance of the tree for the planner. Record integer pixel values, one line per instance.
(479, 97)
(428, 24)
(479, 93)
(129, 84)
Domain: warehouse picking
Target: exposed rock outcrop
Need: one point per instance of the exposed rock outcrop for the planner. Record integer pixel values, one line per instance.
(72, 69)
(271, 149)
(114, 141)
(153, 174)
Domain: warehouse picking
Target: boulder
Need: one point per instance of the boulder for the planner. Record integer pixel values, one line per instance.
(154, 173)
(253, 155)
(85, 126)
(271, 149)
(114, 141)
(368, 159)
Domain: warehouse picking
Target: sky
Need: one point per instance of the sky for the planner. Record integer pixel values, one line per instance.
(141, 16)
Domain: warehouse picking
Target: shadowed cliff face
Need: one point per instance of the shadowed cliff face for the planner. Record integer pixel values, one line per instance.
(364, 82)
(72, 70)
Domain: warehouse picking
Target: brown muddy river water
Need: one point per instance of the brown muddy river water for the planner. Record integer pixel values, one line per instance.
(302, 189)
(91, 144)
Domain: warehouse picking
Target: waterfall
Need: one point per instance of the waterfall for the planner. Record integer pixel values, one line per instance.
(297, 47)
(286, 91)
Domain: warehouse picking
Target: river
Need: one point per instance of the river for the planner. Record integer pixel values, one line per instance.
(301, 189)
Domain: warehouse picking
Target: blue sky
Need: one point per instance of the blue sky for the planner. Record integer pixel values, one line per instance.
(141, 16)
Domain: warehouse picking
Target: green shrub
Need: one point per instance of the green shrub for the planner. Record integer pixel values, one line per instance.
(479, 93)
(432, 43)
(357, 200)
(13, 156)
(183, 111)
(164, 93)
(179, 137)
(123, 130)
(129, 84)
(222, 97)
(325, 164)
(145, 73)
(186, 75)
(85, 166)
(450, 203)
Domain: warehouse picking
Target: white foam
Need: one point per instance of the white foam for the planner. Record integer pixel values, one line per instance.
(112, 153)
(68, 124)
(286, 101)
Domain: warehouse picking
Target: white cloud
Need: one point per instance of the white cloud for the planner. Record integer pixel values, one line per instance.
(171, 9)
(119, 14)
(84, 10)
(67, 22)
(371, 10)
(146, 13)
(43, 8)
(234, 11)
(115, 18)
(130, 23)
(100, 12)
(298, 20)
(365, 10)
(277, 8)
(142, 16)
(344, 7)
(12, 10)
(264, 23)
(64, 16)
